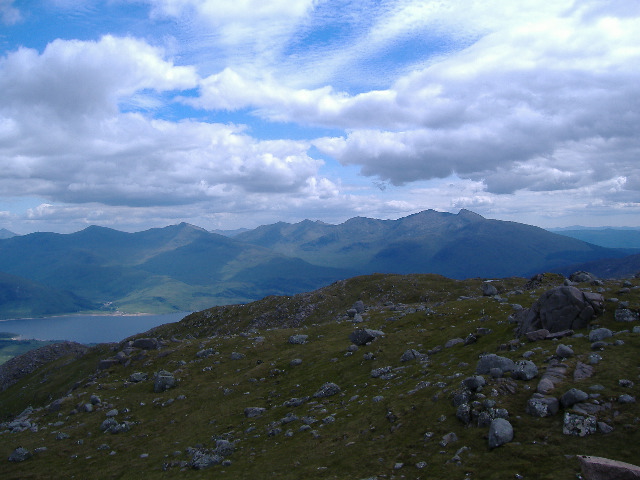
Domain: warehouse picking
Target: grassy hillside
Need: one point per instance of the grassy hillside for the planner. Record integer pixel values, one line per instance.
(20, 297)
(396, 425)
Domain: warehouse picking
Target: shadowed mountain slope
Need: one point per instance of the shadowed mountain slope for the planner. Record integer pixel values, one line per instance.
(458, 246)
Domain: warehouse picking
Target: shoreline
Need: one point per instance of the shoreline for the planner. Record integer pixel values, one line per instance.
(77, 314)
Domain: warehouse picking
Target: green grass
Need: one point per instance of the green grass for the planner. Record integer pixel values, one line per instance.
(367, 438)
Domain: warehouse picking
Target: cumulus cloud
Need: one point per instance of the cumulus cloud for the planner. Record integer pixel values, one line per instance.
(66, 139)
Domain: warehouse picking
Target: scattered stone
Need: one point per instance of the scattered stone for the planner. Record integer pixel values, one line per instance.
(20, 454)
(295, 362)
(474, 383)
(450, 437)
(298, 339)
(604, 428)
(573, 396)
(579, 425)
(490, 361)
(564, 351)
(625, 315)
(598, 468)
(327, 390)
(358, 306)
(237, 356)
(453, 342)
(296, 402)
(383, 372)
(626, 398)
(201, 459)
(163, 381)
(207, 352)
(524, 370)
(500, 432)
(489, 290)
(582, 277)
(363, 336)
(146, 343)
(625, 383)
(111, 425)
(252, 412)
(536, 335)
(410, 354)
(542, 406)
(599, 334)
(582, 371)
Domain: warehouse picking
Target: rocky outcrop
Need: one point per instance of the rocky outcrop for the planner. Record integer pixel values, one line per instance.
(558, 309)
(598, 468)
(22, 365)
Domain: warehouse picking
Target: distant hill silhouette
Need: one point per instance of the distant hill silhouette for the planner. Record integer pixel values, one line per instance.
(184, 267)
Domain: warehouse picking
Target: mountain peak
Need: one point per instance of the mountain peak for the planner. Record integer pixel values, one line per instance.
(464, 213)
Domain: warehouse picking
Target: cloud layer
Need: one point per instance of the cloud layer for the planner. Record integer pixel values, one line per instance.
(254, 108)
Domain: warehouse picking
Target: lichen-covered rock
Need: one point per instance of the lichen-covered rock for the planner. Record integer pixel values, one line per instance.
(542, 406)
(579, 425)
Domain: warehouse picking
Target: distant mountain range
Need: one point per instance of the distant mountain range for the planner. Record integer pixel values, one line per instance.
(605, 237)
(186, 268)
(4, 233)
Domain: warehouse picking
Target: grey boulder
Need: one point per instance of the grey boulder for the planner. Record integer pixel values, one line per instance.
(500, 432)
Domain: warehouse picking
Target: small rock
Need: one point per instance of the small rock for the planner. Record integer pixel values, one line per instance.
(453, 342)
(298, 339)
(599, 334)
(327, 390)
(625, 315)
(252, 412)
(487, 362)
(489, 290)
(363, 336)
(524, 370)
(163, 381)
(626, 398)
(536, 335)
(573, 396)
(146, 343)
(564, 351)
(20, 454)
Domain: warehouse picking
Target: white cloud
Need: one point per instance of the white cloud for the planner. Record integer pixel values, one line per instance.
(9, 15)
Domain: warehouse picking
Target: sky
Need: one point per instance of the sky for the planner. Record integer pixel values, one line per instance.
(134, 114)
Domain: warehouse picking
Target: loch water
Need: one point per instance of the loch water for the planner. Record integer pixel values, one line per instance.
(86, 329)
